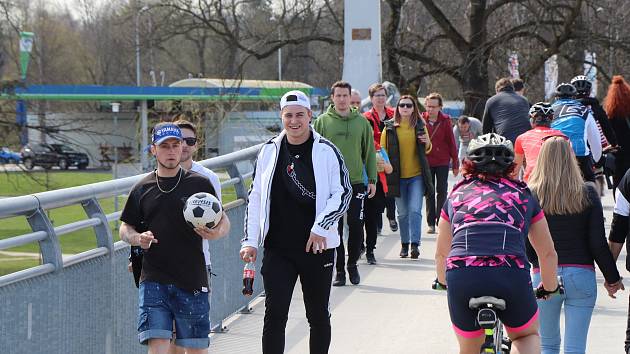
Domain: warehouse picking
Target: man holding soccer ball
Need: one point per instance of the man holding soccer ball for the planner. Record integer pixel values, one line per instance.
(305, 180)
(174, 279)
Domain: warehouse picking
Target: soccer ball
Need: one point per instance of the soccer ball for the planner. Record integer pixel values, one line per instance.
(203, 209)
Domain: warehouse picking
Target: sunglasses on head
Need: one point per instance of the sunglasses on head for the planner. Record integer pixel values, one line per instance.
(545, 138)
(405, 105)
(190, 141)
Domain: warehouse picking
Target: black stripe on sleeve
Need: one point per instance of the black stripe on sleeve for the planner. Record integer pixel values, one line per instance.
(346, 196)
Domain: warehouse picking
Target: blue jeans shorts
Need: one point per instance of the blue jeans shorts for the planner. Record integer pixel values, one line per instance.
(161, 304)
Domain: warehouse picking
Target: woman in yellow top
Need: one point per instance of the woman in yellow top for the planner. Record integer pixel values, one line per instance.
(407, 142)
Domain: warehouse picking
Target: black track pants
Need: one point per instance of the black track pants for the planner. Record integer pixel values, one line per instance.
(280, 270)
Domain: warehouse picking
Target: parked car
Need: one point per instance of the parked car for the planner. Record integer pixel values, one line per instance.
(43, 155)
(73, 157)
(8, 156)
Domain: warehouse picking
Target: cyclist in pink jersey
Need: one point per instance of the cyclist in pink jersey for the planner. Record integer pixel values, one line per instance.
(481, 247)
(528, 144)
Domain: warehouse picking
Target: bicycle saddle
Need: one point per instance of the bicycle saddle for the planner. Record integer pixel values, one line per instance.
(477, 302)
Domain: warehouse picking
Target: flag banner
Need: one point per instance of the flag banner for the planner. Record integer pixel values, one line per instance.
(26, 45)
(590, 70)
(513, 65)
(551, 76)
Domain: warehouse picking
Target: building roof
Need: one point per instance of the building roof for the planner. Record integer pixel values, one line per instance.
(190, 89)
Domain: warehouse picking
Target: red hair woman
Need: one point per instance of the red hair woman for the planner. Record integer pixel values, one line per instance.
(617, 106)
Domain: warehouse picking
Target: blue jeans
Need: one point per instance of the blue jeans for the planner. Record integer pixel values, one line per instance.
(579, 301)
(409, 206)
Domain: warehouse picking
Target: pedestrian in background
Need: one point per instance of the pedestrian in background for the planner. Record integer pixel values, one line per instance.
(442, 156)
(617, 106)
(377, 115)
(576, 222)
(466, 129)
(506, 113)
(407, 142)
(528, 144)
(353, 136)
(355, 100)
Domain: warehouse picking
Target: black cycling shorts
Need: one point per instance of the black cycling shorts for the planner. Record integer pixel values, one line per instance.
(513, 285)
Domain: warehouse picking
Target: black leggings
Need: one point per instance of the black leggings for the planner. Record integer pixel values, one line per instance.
(373, 213)
(434, 205)
(280, 270)
(354, 217)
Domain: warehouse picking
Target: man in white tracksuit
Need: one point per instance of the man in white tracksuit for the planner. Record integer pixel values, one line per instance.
(299, 191)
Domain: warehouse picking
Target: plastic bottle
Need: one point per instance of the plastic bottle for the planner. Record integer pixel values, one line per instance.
(249, 272)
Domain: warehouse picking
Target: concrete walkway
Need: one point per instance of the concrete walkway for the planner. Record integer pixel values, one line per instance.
(395, 311)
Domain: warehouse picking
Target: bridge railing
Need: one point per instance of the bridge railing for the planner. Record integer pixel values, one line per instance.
(90, 297)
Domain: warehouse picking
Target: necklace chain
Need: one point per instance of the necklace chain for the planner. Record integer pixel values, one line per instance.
(157, 181)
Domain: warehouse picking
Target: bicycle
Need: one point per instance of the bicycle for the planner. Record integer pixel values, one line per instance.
(495, 341)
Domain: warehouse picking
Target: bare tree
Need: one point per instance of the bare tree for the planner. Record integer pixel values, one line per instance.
(462, 44)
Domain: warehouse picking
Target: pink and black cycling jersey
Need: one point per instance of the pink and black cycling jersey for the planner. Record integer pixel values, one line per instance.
(490, 222)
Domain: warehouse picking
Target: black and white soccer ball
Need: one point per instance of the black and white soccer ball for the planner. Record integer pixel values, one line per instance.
(203, 209)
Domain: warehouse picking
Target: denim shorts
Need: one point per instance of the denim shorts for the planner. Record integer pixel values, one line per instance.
(161, 304)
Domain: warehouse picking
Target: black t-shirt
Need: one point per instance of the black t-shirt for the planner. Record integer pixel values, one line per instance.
(292, 210)
(177, 258)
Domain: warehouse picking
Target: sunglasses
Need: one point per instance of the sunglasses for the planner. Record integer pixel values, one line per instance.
(545, 138)
(405, 105)
(190, 141)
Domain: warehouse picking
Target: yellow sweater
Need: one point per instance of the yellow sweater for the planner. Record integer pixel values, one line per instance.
(409, 162)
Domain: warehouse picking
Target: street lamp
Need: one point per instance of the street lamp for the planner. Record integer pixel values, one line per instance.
(143, 9)
(273, 18)
(115, 110)
(144, 126)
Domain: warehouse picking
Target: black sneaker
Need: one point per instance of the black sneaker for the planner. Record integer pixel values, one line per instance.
(353, 274)
(404, 251)
(340, 279)
(415, 252)
(370, 258)
(393, 225)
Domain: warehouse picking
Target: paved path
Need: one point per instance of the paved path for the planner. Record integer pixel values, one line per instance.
(394, 310)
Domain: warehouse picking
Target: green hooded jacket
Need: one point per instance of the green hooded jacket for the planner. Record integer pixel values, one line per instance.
(354, 138)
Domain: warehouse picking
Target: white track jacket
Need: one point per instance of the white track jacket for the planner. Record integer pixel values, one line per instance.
(332, 188)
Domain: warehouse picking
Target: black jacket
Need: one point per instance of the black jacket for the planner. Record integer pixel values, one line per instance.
(581, 238)
(393, 179)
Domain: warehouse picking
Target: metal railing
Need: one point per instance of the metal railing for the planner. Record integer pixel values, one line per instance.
(90, 297)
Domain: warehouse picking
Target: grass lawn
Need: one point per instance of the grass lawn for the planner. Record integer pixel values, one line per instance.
(20, 183)
(72, 243)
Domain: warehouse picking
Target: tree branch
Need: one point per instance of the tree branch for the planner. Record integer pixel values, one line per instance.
(449, 30)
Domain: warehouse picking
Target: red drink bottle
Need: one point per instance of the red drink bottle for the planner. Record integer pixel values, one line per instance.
(249, 272)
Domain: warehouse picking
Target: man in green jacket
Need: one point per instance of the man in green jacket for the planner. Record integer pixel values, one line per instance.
(345, 127)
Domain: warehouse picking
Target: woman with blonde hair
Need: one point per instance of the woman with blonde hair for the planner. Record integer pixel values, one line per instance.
(575, 217)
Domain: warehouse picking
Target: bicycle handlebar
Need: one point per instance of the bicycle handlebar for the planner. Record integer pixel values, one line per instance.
(438, 286)
(539, 292)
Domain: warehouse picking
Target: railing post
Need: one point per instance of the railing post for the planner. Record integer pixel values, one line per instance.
(103, 233)
(239, 188)
(50, 247)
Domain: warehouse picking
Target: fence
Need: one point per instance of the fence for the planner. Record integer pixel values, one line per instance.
(88, 302)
